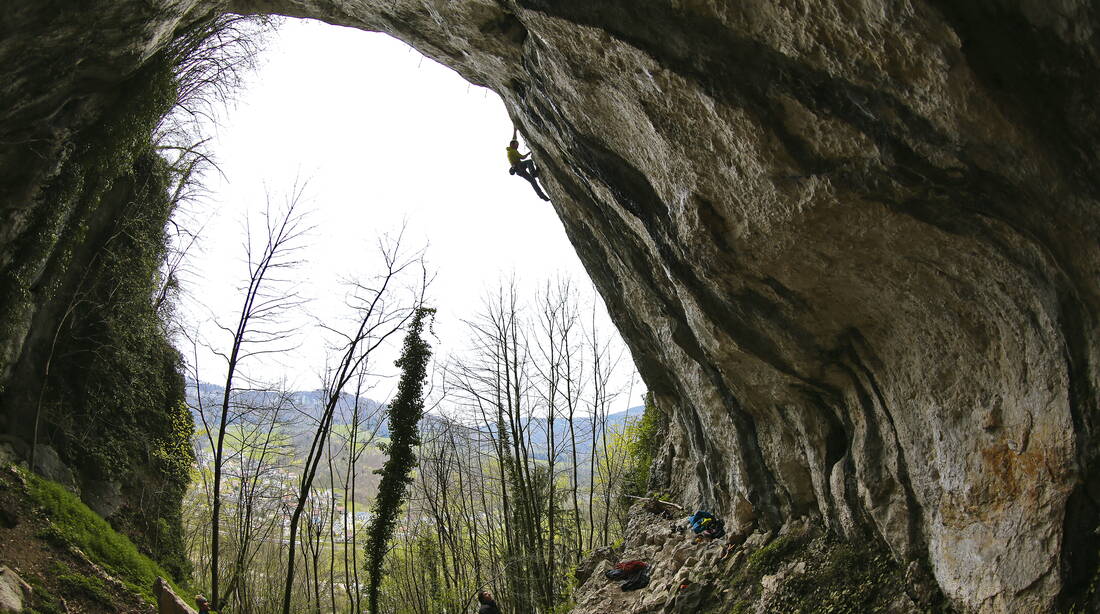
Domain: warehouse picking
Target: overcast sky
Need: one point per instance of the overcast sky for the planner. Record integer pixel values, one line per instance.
(382, 138)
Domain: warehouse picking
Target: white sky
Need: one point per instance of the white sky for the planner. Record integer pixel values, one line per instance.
(384, 137)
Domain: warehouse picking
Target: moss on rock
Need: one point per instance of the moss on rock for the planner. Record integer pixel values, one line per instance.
(807, 573)
(81, 293)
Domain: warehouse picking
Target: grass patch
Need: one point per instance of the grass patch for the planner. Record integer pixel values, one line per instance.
(76, 525)
(42, 600)
(842, 578)
(768, 559)
(79, 585)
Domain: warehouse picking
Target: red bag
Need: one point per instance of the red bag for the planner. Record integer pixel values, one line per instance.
(631, 566)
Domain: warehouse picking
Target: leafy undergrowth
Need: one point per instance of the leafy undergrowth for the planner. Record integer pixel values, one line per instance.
(44, 532)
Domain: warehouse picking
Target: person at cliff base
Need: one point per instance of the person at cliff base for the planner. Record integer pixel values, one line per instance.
(520, 165)
(204, 605)
(488, 604)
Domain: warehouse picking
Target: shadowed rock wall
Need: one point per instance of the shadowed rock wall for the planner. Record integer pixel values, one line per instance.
(852, 246)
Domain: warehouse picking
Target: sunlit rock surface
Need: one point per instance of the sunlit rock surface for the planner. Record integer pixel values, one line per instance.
(852, 245)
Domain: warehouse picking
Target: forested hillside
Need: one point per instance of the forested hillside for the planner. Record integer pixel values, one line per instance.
(521, 470)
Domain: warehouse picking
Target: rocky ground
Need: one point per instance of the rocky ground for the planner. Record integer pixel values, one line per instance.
(799, 569)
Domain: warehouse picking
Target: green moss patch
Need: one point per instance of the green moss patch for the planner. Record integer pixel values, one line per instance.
(816, 574)
(80, 527)
(43, 600)
(80, 585)
(841, 578)
(768, 559)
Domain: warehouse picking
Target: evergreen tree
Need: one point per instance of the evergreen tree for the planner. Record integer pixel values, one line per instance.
(405, 413)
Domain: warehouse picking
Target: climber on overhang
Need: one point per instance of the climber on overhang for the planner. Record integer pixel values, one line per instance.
(523, 168)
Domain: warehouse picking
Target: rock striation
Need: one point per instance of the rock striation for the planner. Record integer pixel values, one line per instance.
(852, 245)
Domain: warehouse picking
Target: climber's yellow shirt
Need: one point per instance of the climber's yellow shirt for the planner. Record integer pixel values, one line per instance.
(513, 156)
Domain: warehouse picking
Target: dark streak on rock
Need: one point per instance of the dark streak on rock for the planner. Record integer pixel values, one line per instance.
(870, 395)
(1040, 80)
(633, 192)
(1081, 541)
(744, 315)
(760, 486)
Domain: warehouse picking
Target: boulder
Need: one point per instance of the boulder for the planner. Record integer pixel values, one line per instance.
(49, 465)
(168, 602)
(744, 516)
(12, 450)
(603, 554)
(13, 591)
(103, 497)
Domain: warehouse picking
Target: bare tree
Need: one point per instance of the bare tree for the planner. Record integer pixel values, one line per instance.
(262, 453)
(259, 330)
(356, 444)
(377, 319)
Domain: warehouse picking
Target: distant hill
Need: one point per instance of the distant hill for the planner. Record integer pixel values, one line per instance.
(582, 428)
(311, 403)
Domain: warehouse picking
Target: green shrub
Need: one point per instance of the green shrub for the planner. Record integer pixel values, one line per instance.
(643, 438)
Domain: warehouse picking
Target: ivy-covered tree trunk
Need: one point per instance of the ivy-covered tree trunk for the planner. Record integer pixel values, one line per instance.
(405, 413)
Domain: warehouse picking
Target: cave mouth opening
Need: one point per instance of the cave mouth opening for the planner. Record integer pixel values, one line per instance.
(376, 139)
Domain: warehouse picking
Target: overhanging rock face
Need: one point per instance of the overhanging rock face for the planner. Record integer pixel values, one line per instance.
(853, 248)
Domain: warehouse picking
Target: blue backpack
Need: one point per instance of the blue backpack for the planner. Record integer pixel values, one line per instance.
(704, 523)
(699, 521)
